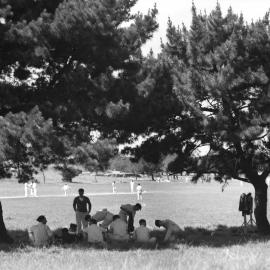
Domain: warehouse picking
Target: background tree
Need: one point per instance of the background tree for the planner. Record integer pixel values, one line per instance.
(220, 71)
(22, 136)
(95, 157)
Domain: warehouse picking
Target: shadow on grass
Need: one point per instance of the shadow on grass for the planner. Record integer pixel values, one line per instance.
(221, 236)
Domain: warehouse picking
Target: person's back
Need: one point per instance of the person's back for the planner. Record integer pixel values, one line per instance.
(170, 225)
(142, 234)
(119, 227)
(40, 233)
(94, 234)
(100, 215)
(172, 229)
(118, 230)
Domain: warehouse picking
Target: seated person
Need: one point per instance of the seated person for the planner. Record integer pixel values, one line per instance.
(94, 233)
(40, 234)
(118, 230)
(172, 230)
(127, 214)
(105, 216)
(142, 234)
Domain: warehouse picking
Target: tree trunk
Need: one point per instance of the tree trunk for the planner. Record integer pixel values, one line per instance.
(4, 237)
(44, 179)
(260, 211)
(153, 178)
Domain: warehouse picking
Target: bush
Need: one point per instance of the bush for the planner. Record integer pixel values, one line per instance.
(69, 172)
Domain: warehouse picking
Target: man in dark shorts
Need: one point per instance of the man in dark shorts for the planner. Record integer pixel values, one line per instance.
(82, 207)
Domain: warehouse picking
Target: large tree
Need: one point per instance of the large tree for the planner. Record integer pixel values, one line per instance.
(77, 60)
(220, 72)
(208, 97)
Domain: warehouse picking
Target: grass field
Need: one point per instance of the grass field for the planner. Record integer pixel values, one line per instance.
(209, 218)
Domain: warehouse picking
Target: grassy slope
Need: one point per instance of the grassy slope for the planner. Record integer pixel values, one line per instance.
(196, 206)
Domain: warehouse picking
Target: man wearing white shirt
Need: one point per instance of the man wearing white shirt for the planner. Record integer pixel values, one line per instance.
(139, 192)
(172, 229)
(131, 186)
(142, 234)
(94, 233)
(40, 234)
(118, 230)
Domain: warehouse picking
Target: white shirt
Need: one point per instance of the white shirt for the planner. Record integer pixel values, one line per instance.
(94, 234)
(119, 228)
(142, 234)
(139, 189)
(40, 234)
(171, 227)
(66, 187)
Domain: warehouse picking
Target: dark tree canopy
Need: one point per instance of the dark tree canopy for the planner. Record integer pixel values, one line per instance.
(78, 55)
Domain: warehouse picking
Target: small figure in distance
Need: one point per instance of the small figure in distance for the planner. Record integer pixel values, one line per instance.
(113, 187)
(82, 207)
(118, 230)
(34, 188)
(26, 186)
(40, 234)
(127, 214)
(172, 230)
(142, 235)
(66, 187)
(94, 233)
(139, 192)
(105, 216)
(131, 186)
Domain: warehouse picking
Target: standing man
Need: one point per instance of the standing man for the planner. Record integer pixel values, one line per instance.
(131, 186)
(34, 187)
(66, 187)
(26, 189)
(139, 192)
(82, 207)
(113, 187)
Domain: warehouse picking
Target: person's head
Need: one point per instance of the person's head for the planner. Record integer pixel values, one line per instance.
(115, 217)
(142, 222)
(81, 191)
(139, 184)
(137, 207)
(87, 218)
(42, 219)
(92, 221)
(158, 223)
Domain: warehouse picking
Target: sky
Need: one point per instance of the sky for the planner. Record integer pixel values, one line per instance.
(180, 12)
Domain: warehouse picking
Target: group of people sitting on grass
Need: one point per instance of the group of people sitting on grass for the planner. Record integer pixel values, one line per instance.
(104, 228)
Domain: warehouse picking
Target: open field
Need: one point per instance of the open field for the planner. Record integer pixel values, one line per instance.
(199, 209)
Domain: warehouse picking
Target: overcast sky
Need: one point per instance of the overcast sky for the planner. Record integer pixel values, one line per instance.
(180, 12)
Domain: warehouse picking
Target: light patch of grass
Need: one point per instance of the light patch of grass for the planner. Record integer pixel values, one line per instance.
(198, 209)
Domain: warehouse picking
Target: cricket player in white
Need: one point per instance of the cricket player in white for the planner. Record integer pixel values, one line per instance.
(139, 192)
(131, 186)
